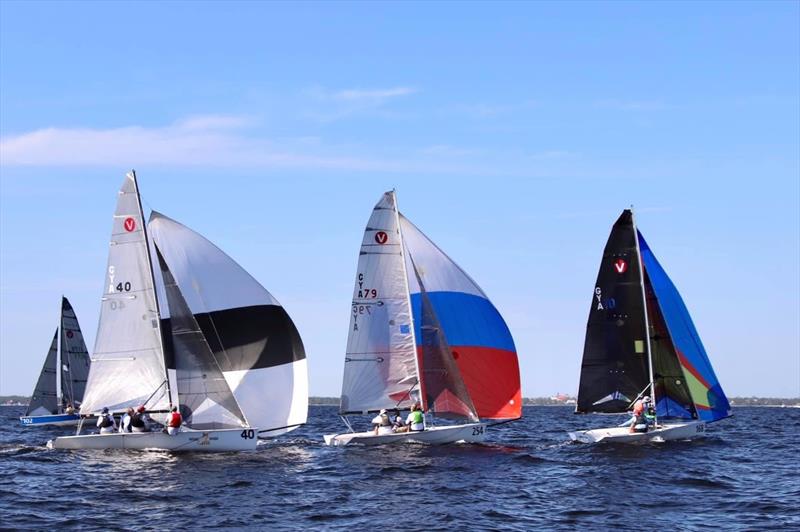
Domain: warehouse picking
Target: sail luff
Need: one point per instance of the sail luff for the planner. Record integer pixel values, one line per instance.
(153, 284)
(646, 318)
(407, 291)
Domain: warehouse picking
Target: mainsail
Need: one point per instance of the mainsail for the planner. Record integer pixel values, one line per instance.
(380, 368)
(44, 400)
(251, 336)
(706, 392)
(75, 361)
(615, 368)
(206, 400)
(477, 335)
(128, 361)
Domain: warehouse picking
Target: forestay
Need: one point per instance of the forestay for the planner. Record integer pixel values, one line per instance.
(380, 368)
(75, 361)
(206, 400)
(44, 399)
(478, 337)
(251, 336)
(128, 363)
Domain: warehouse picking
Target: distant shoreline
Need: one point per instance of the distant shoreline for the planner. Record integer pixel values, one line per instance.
(773, 402)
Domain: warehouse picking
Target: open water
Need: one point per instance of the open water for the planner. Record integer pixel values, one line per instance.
(742, 475)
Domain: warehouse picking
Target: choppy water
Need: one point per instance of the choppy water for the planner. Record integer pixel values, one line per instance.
(743, 475)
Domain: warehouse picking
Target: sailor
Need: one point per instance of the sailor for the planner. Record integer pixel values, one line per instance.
(638, 422)
(125, 422)
(106, 422)
(139, 420)
(69, 409)
(397, 421)
(415, 420)
(649, 412)
(174, 421)
(381, 423)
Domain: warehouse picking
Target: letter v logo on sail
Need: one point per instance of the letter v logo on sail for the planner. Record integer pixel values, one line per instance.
(620, 265)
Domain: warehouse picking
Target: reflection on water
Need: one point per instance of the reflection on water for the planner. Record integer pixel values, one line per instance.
(527, 475)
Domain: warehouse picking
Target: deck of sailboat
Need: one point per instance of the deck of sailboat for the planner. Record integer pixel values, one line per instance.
(666, 432)
(219, 440)
(469, 432)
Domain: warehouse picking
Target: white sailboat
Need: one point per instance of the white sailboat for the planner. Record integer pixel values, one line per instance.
(62, 380)
(423, 332)
(132, 366)
(640, 340)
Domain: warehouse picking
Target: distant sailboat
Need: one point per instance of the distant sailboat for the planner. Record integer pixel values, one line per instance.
(201, 363)
(422, 331)
(640, 340)
(62, 380)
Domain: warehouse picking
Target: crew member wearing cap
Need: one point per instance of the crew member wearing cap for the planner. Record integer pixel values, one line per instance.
(639, 421)
(106, 422)
(381, 423)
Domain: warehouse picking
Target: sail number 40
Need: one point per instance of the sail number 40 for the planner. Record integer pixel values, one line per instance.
(248, 434)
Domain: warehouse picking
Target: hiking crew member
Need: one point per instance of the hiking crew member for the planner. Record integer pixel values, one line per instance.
(381, 423)
(125, 422)
(174, 421)
(106, 422)
(138, 422)
(415, 420)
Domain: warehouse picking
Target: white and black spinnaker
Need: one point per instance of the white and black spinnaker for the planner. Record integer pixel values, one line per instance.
(253, 339)
(640, 341)
(62, 381)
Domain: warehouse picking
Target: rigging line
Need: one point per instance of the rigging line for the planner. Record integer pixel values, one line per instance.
(408, 393)
(638, 396)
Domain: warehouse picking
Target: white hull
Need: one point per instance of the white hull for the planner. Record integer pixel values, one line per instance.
(208, 441)
(472, 432)
(665, 432)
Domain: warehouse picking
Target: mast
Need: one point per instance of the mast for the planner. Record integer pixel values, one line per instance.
(408, 296)
(153, 281)
(59, 361)
(646, 319)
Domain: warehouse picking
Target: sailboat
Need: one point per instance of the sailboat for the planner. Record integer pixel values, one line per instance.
(62, 380)
(640, 341)
(422, 332)
(220, 367)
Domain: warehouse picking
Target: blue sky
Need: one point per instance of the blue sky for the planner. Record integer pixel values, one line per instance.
(513, 133)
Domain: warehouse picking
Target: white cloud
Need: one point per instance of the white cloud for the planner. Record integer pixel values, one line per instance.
(329, 106)
(631, 105)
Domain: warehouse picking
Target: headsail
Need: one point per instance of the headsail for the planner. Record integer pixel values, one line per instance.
(380, 368)
(128, 362)
(615, 368)
(474, 330)
(75, 361)
(706, 392)
(443, 389)
(44, 400)
(250, 334)
(206, 400)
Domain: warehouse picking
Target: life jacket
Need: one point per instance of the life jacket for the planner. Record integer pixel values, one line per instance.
(137, 421)
(417, 418)
(385, 422)
(640, 424)
(106, 421)
(175, 420)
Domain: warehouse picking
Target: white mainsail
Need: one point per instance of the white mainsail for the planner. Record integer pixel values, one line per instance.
(252, 337)
(380, 368)
(128, 361)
